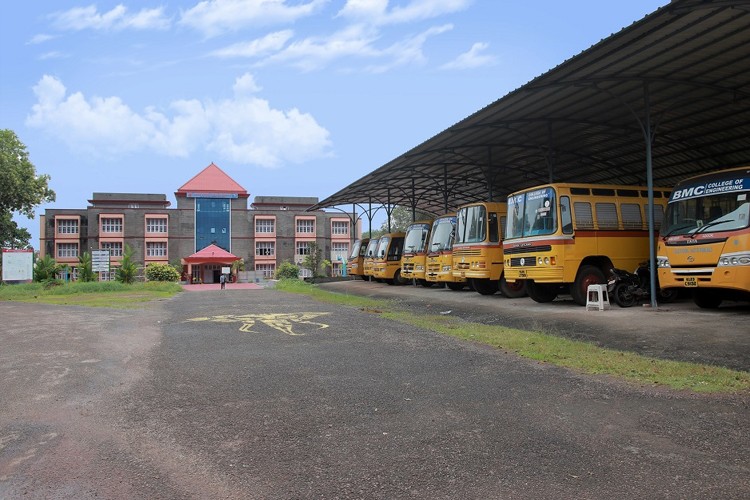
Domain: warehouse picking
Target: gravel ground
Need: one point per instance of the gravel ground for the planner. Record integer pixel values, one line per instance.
(258, 394)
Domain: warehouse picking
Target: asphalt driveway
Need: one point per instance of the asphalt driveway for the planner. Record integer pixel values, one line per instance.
(259, 394)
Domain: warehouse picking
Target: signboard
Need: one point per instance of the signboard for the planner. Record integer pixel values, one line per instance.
(100, 261)
(18, 265)
(711, 187)
(226, 270)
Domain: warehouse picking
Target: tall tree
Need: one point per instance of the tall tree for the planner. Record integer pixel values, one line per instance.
(21, 189)
(401, 217)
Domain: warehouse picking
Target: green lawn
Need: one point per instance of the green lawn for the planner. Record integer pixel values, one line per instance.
(94, 294)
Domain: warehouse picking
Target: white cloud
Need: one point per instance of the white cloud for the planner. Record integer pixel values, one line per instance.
(408, 51)
(40, 38)
(376, 11)
(356, 41)
(471, 59)
(212, 17)
(81, 18)
(51, 55)
(317, 52)
(273, 42)
(244, 129)
(245, 85)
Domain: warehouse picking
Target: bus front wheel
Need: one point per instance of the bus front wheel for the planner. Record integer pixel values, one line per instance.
(512, 290)
(707, 299)
(587, 275)
(485, 286)
(541, 292)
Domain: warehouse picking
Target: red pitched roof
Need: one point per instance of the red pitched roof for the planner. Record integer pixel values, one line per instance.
(212, 253)
(212, 179)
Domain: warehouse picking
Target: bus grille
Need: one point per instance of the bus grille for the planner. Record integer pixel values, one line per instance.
(527, 262)
(537, 249)
(466, 252)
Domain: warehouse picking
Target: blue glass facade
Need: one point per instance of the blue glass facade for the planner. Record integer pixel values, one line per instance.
(212, 223)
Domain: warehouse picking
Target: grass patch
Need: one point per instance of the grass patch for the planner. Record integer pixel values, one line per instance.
(576, 355)
(94, 294)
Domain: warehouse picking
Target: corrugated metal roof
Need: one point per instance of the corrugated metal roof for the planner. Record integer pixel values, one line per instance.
(684, 70)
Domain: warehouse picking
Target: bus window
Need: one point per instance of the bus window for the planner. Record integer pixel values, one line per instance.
(494, 234)
(606, 215)
(515, 221)
(658, 215)
(567, 219)
(631, 216)
(584, 217)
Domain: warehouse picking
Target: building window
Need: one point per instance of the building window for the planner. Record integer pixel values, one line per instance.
(306, 226)
(67, 226)
(66, 250)
(303, 248)
(340, 228)
(340, 248)
(267, 270)
(265, 225)
(265, 248)
(110, 275)
(111, 225)
(212, 223)
(156, 249)
(114, 247)
(156, 225)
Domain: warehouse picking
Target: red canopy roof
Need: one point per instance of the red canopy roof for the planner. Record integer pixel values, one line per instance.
(212, 253)
(212, 179)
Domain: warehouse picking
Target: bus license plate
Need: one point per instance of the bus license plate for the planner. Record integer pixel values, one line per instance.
(522, 273)
(463, 274)
(691, 282)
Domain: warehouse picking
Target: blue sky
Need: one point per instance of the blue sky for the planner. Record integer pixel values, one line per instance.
(289, 97)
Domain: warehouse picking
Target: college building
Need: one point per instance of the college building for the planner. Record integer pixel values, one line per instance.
(211, 227)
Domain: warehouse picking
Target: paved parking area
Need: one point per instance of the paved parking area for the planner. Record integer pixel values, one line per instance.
(258, 394)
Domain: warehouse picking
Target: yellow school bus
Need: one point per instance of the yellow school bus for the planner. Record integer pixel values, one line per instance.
(369, 257)
(355, 266)
(413, 260)
(386, 266)
(439, 262)
(478, 249)
(704, 243)
(561, 238)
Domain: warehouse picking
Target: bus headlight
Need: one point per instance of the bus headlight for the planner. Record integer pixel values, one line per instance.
(662, 262)
(735, 259)
(446, 268)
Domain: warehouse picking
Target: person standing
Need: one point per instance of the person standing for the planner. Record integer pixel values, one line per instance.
(223, 281)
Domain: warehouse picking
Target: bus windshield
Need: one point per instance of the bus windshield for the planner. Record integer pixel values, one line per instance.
(716, 213)
(382, 247)
(471, 225)
(416, 237)
(442, 235)
(532, 213)
(372, 247)
(355, 250)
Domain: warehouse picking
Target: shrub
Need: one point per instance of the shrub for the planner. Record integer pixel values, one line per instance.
(287, 270)
(85, 272)
(127, 271)
(46, 269)
(161, 272)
